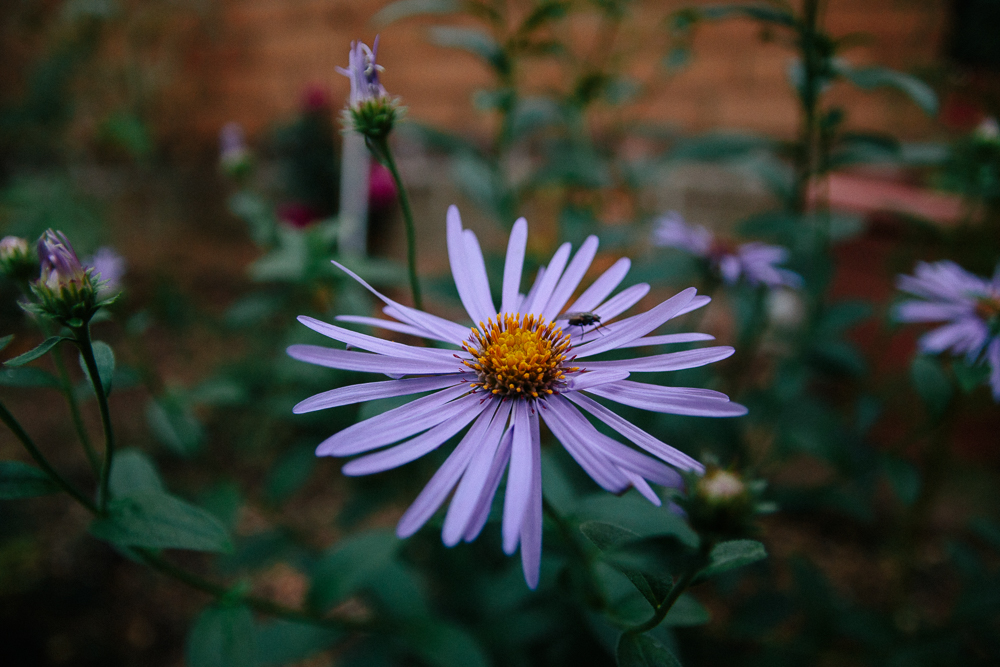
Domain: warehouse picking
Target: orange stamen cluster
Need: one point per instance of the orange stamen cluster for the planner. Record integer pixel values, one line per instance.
(519, 356)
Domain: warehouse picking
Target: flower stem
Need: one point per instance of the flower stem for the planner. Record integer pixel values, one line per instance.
(10, 422)
(87, 350)
(682, 584)
(75, 415)
(380, 149)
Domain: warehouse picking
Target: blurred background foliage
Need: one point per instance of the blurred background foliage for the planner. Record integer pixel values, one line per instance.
(882, 462)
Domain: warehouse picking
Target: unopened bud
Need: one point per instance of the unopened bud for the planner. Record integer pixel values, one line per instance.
(16, 260)
(235, 158)
(66, 290)
(370, 111)
(722, 504)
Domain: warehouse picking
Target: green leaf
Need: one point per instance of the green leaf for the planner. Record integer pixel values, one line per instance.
(643, 651)
(874, 77)
(733, 554)
(5, 341)
(157, 520)
(222, 637)
(349, 564)
(27, 377)
(173, 422)
(104, 356)
(283, 642)
(406, 8)
(932, 383)
(687, 612)
(443, 644)
(37, 352)
(904, 478)
(133, 472)
(289, 474)
(474, 41)
(756, 11)
(20, 480)
(609, 539)
(969, 376)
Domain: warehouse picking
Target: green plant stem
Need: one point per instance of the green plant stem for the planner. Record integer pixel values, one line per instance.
(682, 584)
(75, 414)
(262, 605)
(87, 350)
(380, 148)
(10, 422)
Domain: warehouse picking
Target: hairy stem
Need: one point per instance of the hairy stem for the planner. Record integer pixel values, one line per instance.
(87, 350)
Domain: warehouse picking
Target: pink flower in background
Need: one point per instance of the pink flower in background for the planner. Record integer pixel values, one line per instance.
(381, 187)
(756, 263)
(968, 305)
(315, 99)
(515, 368)
(297, 214)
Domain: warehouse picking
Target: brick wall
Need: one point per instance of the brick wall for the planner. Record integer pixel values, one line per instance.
(259, 55)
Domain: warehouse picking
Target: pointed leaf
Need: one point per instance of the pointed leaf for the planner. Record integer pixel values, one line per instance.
(730, 555)
(158, 520)
(27, 377)
(873, 77)
(133, 472)
(405, 8)
(643, 651)
(5, 341)
(655, 587)
(283, 642)
(37, 352)
(20, 480)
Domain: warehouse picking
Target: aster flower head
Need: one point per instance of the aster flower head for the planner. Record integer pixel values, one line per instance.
(370, 109)
(969, 307)
(66, 290)
(756, 263)
(16, 259)
(520, 365)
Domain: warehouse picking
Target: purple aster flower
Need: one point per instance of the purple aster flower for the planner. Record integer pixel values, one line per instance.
(109, 267)
(515, 367)
(363, 71)
(756, 263)
(968, 304)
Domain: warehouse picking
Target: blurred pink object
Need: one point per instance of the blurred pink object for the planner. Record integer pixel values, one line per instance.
(315, 98)
(297, 214)
(381, 187)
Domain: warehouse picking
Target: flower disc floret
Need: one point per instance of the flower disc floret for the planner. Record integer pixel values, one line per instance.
(519, 356)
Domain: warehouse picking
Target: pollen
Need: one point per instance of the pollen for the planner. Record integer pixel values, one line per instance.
(519, 356)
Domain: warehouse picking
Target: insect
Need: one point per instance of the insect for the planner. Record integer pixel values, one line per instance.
(582, 319)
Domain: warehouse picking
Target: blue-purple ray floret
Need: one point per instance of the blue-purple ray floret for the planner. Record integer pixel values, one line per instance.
(60, 265)
(967, 304)
(518, 366)
(363, 72)
(754, 262)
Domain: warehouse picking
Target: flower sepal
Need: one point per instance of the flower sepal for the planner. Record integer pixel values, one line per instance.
(722, 504)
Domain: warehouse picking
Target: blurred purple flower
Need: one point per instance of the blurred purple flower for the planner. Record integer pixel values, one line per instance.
(970, 306)
(363, 71)
(109, 267)
(756, 263)
(516, 366)
(232, 142)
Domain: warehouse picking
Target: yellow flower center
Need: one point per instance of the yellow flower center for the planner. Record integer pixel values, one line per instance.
(519, 356)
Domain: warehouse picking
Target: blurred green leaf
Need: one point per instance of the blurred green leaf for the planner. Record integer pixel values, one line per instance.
(36, 352)
(874, 77)
(20, 480)
(610, 538)
(932, 383)
(157, 520)
(218, 391)
(223, 501)
(133, 472)
(635, 513)
(349, 564)
(733, 554)
(687, 612)
(406, 8)
(174, 424)
(474, 41)
(287, 262)
(27, 377)
(104, 356)
(969, 376)
(5, 341)
(128, 132)
(443, 644)
(758, 11)
(222, 637)
(838, 317)
(904, 478)
(717, 146)
(283, 642)
(643, 651)
(289, 474)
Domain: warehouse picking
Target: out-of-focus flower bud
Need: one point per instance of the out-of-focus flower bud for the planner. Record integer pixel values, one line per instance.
(66, 291)
(988, 131)
(721, 504)
(235, 158)
(370, 109)
(16, 259)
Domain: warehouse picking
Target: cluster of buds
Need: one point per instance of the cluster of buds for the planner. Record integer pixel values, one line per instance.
(723, 505)
(66, 290)
(17, 262)
(371, 111)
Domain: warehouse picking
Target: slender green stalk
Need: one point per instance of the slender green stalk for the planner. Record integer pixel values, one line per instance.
(380, 148)
(682, 584)
(74, 410)
(87, 350)
(10, 422)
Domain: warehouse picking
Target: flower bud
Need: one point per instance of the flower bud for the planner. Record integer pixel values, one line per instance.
(370, 109)
(16, 260)
(722, 504)
(235, 158)
(65, 291)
